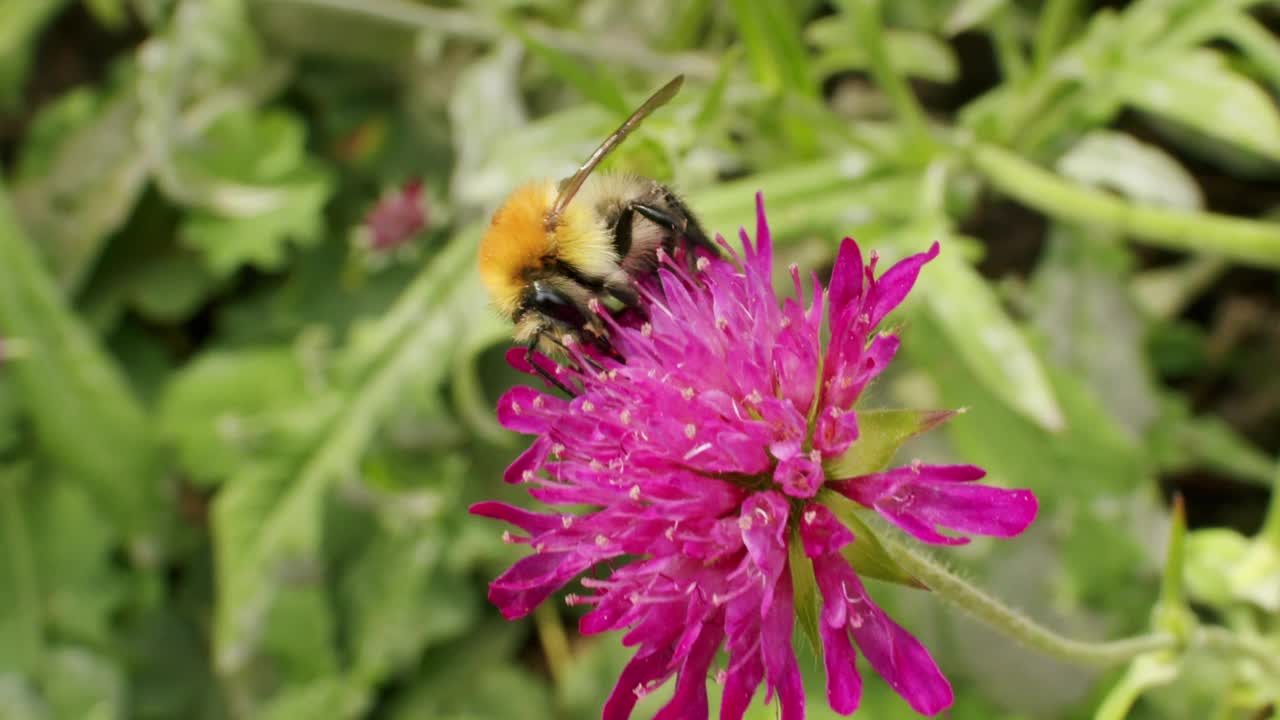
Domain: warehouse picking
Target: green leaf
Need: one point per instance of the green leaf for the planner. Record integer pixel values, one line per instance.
(86, 416)
(256, 190)
(400, 600)
(1143, 172)
(1211, 554)
(21, 612)
(588, 78)
(328, 697)
(981, 333)
(216, 410)
(1088, 323)
(1200, 91)
(880, 434)
(970, 14)
(83, 684)
(23, 22)
(913, 53)
(82, 171)
(865, 554)
(771, 34)
(804, 586)
(267, 519)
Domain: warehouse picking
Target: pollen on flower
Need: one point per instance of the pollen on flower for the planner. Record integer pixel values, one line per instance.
(539, 402)
(528, 476)
(624, 417)
(916, 464)
(516, 409)
(594, 305)
(507, 538)
(702, 264)
(646, 330)
(690, 431)
(722, 324)
(602, 541)
(688, 393)
(810, 516)
(557, 449)
(566, 521)
(634, 493)
(721, 676)
(588, 406)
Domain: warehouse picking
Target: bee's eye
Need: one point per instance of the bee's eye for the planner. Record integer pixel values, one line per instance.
(555, 305)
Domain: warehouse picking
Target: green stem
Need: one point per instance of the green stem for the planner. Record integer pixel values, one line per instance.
(26, 580)
(1247, 241)
(1013, 64)
(1270, 532)
(478, 27)
(993, 612)
(1055, 20)
(869, 33)
(555, 643)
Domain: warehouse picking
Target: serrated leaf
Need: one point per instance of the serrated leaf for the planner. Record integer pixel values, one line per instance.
(1200, 91)
(866, 555)
(880, 434)
(213, 411)
(1138, 170)
(804, 589)
(981, 332)
(85, 414)
(255, 191)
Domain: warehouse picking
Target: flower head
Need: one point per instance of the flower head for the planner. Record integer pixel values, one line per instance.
(398, 216)
(703, 453)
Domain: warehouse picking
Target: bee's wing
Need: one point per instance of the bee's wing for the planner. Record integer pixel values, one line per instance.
(573, 183)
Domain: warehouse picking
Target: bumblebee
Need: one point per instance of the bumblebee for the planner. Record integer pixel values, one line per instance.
(552, 248)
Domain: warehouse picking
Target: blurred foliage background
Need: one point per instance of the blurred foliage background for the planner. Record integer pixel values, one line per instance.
(242, 414)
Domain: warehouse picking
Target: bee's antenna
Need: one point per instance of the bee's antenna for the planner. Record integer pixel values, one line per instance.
(570, 186)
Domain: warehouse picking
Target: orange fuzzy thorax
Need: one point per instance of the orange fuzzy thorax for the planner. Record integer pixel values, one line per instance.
(518, 241)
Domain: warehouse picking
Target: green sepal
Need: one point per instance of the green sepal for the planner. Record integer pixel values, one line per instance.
(804, 588)
(1171, 613)
(880, 434)
(865, 554)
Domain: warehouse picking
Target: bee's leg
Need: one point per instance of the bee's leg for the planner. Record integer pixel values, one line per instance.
(529, 357)
(685, 226)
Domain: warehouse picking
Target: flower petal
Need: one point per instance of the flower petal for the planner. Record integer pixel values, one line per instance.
(690, 698)
(846, 278)
(645, 670)
(894, 653)
(892, 287)
(919, 498)
(783, 674)
(821, 532)
(844, 685)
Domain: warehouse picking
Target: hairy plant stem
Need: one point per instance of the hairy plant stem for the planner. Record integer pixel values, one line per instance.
(957, 591)
(976, 602)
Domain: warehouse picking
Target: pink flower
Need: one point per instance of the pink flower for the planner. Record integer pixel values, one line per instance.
(398, 216)
(703, 457)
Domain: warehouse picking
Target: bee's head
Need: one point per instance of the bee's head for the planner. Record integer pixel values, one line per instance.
(554, 306)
